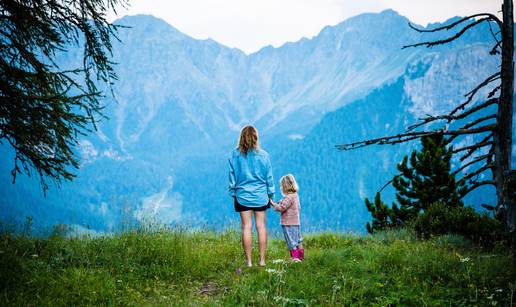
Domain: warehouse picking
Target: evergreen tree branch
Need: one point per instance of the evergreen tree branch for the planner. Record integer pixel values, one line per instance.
(43, 109)
(385, 185)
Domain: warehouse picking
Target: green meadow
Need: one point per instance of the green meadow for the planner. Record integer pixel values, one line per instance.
(196, 268)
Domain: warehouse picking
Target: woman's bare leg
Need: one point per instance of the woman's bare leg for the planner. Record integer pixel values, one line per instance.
(247, 228)
(259, 219)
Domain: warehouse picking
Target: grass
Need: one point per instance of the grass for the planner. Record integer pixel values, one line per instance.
(178, 267)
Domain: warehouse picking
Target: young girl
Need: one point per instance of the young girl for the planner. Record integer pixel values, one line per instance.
(289, 207)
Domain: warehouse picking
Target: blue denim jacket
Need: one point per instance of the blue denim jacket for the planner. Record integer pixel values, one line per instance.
(250, 178)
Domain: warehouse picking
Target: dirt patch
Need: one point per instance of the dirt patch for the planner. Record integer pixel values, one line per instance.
(210, 288)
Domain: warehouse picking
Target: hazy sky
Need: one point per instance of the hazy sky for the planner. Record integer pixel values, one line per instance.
(252, 24)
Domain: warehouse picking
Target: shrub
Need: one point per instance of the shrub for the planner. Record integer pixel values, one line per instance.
(441, 219)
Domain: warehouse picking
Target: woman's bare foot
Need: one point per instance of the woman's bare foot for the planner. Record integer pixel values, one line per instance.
(262, 263)
(249, 264)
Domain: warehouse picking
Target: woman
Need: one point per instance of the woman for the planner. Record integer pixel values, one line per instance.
(252, 187)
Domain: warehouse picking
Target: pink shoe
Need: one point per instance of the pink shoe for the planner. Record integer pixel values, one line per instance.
(301, 253)
(295, 255)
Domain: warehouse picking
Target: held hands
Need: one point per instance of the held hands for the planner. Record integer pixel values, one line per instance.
(276, 206)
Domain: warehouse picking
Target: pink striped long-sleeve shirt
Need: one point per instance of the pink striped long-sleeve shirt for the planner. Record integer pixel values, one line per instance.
(290, 208)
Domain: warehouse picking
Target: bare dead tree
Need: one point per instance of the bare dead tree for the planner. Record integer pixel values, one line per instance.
(493, 131)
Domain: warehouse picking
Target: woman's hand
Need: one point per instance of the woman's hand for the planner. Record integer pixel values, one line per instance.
(274, 205)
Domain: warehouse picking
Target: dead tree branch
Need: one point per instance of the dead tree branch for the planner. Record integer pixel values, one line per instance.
(474, 161)
(476, 185)
(475, 147)
(454, 24)
(429, 44)
(468, 176)
(404, 137)
(450, 117)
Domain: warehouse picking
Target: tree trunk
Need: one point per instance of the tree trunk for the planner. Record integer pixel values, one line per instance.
(503, 135)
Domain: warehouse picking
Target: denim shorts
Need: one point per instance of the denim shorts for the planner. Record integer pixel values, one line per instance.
(292, 236)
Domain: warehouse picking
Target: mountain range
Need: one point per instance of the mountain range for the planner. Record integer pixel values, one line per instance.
(180, 103)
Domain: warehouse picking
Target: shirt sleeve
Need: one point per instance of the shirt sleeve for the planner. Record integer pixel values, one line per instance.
(232, 180)
(270, 180)
(284, 204)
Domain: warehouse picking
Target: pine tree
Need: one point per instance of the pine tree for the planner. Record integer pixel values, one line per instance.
(427, 180)
(380, 213)
(44, 108)
(422, 183)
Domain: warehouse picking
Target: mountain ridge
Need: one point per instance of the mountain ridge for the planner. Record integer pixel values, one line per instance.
(181, 102)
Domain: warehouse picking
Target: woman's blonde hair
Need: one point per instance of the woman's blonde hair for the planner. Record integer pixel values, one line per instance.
(288, 184)
(248, 140)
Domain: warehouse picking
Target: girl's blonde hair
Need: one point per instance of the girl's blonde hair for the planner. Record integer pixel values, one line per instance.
(288, 184)
(248, 140)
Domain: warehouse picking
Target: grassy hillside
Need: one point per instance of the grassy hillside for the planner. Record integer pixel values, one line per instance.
(176, 267)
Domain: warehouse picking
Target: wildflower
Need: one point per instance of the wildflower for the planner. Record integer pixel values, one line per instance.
(278, 298)
(239, 271)
(273, 271)
(278, 261)
(119, 281)
(35, 256)
(466, 259)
